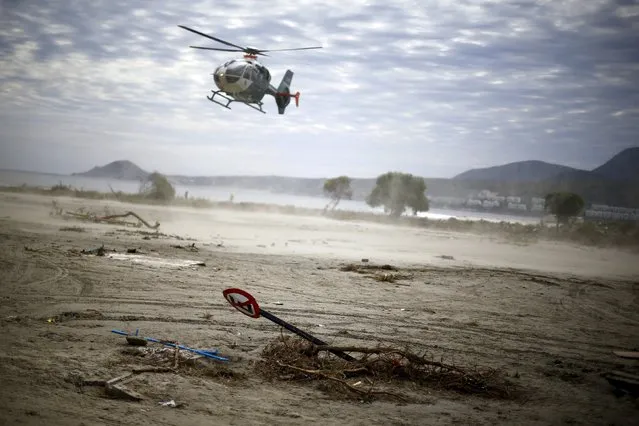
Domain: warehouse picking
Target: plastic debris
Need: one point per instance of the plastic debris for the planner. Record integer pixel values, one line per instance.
(212, 354)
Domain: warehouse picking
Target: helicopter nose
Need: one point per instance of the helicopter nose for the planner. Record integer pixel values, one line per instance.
(218, 77)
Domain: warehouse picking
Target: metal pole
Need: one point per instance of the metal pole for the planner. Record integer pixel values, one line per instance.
(303, 334)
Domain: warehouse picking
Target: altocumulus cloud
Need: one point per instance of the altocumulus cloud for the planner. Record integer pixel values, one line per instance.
(431, 87)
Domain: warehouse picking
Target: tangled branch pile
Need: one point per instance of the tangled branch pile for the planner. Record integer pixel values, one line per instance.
(289, 358)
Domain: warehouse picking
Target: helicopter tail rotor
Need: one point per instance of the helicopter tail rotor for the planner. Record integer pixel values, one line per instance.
(283, 95)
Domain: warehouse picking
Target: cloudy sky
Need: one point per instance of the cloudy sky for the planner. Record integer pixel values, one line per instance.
(431, 87)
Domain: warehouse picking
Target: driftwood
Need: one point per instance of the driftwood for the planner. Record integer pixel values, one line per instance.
(112, 218)
(115, 388)
(117, 216)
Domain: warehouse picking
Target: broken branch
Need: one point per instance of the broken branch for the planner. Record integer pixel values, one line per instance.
(127, 214)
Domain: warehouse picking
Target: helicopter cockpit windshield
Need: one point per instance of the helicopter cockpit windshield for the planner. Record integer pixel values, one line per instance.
(234, 71)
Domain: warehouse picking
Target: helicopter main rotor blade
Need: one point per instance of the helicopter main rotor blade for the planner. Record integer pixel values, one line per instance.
(211, 37)
(216, 48)
(298, 48)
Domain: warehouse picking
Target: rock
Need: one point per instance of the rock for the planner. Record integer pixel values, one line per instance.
(136, 341)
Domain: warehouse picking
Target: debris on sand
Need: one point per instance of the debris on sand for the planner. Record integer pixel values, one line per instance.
(190, 247)
(98, 251)
(119, 391)
(170, 403)
(135, 339)
(624, 383)
(171, 357)
(373, 271)
(446, 257)
(363, 269)
(156, 261)
(72, 229)
(289, 358)
(167, 359)
(148, 235)
(115, 388)
(627, 354)
(391, 278)
(89, 314)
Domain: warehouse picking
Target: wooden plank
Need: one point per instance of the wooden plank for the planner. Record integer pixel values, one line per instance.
(122, 392)
(627, 354)
(119, 378)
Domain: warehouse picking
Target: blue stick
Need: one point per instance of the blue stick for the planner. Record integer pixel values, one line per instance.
(209, 354)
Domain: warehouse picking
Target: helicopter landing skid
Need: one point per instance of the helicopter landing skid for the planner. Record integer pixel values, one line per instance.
(230, 100)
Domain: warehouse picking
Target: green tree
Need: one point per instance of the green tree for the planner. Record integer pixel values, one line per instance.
(564, 206)
(337, 188)
(157, 187)
(396, 191)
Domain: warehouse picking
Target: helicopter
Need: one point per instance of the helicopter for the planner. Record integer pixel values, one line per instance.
(246, 80)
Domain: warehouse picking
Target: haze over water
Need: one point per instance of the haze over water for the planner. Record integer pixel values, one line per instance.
(217, 193)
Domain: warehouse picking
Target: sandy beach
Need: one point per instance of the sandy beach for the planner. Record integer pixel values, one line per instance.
(549, 314)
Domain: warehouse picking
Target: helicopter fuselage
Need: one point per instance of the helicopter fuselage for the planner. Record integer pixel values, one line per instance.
(245, 80)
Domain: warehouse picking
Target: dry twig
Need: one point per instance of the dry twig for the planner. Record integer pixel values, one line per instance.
(366, 394)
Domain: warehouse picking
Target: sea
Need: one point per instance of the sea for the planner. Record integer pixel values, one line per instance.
(217, 193)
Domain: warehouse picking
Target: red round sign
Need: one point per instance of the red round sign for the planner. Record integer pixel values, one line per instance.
(242, 301)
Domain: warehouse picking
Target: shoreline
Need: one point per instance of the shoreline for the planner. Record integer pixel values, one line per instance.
(438, 210)
(622, 234)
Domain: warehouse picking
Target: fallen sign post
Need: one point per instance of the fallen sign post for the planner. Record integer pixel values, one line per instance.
(246, 303)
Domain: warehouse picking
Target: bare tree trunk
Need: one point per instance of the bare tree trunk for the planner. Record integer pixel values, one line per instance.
(335, 203)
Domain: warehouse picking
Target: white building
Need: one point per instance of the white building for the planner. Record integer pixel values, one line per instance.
(517, 206)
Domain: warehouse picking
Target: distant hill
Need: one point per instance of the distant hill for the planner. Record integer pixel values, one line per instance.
(522, 171)
(122, 169)
(622, 167)
(616, 182)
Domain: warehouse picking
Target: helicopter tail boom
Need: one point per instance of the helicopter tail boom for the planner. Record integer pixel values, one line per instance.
(283, 95)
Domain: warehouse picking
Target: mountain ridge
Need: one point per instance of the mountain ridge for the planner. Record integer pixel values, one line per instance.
(521, 171)
(623, 166)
